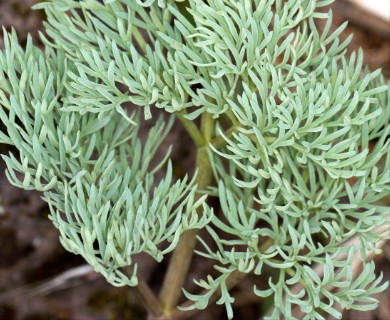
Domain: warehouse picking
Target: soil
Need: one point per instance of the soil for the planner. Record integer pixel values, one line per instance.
(30, 253)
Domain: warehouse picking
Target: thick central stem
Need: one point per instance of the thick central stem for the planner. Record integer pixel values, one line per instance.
(181, 258)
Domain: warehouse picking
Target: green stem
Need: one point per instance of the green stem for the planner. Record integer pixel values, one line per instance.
(146, 295)
(192, 130)
(148, 298)
(181, 258)
(220, 141)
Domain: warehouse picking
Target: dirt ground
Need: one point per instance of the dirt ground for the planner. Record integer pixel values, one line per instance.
(31, 256)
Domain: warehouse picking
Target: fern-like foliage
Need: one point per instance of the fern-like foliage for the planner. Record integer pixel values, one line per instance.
(301, 168)
(105, 208)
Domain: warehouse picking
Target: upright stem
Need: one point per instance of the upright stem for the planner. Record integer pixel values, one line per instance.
(192, 130)
(181, 258)
(146, 295)
(149, 299)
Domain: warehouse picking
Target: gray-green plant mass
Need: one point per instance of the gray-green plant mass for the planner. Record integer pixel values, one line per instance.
(293, 141)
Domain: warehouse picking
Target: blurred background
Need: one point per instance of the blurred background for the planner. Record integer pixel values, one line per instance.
(39, 280)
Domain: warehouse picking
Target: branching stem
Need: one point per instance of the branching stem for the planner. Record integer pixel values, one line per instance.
(181, 258)
(220, 141)
(192, 130)
(146, 295)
